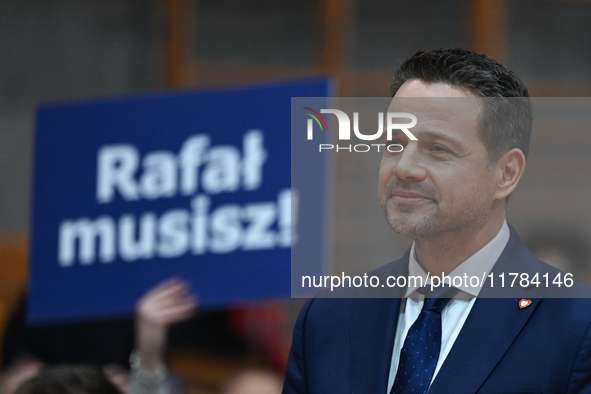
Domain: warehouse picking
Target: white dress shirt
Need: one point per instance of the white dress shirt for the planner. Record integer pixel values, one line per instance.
(456, 312)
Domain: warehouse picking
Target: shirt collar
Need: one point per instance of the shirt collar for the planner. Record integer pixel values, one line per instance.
(479, 264)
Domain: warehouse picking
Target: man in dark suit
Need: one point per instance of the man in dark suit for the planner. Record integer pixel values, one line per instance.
(447, 191)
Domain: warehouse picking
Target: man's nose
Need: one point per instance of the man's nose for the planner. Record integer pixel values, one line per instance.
(410, 164)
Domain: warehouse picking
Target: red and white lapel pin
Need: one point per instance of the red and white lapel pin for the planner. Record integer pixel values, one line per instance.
(524, 303)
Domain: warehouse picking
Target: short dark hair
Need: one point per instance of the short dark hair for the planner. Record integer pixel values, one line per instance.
(68, 379)
(504, 124)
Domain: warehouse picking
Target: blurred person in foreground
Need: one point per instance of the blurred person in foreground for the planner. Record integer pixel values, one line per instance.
(252, 381)
(69, 379)
(162, 306)
(108, 344)
(166, 304)
(447, 190)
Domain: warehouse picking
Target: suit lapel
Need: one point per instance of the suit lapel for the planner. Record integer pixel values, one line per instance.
(372, 340)
(489, 331)
(373, 329)
(491, 327)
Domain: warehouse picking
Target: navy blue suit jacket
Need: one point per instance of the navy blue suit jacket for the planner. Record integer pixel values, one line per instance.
(345, 345)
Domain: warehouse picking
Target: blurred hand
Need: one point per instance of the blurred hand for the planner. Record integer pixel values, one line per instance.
(165, 304)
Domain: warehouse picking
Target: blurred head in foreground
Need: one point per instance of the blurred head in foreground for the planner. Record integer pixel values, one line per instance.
(253, 381)
(68, 379)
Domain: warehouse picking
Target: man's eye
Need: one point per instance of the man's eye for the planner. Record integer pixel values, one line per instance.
(438, 149)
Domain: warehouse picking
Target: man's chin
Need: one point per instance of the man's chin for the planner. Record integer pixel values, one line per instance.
(410, 225)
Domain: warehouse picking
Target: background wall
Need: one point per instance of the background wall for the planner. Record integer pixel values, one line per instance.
(63, 50)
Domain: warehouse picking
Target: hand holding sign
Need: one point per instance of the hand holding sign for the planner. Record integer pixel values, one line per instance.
(168, 303)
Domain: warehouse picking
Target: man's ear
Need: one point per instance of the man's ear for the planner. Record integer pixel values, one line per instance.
(511, 167)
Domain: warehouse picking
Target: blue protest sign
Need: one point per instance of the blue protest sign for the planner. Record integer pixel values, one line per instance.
(131, 191)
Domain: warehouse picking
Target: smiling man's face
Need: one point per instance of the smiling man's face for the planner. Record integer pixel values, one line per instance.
(441, 182)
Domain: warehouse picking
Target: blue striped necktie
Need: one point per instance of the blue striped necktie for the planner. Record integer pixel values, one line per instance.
(419, 354)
